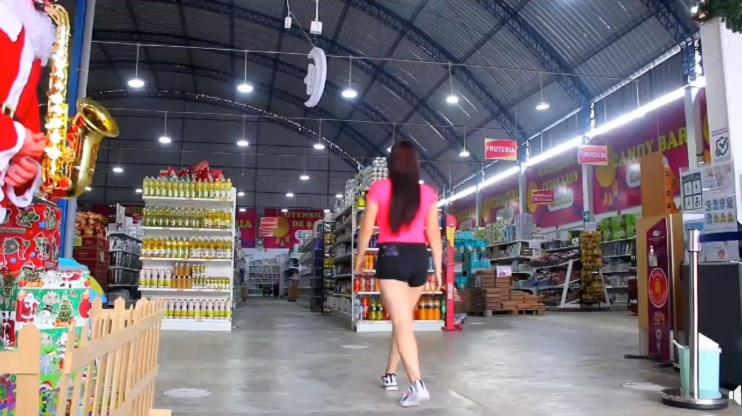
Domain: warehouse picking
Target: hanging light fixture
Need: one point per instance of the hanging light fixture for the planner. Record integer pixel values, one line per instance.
(242, 141)
(118, 169)
(245, 87)
(289, 194)
(304, 176)
(349, 93)
(464, 153)
(319, 145)
(452, 98)
(284, 210)
(542, 105)
(88, 189)
(339, 196)
(165, 139)
(138, 190)
(136, 82)
(421, 182)
(394, 134)
(240, 194)
(242, 209)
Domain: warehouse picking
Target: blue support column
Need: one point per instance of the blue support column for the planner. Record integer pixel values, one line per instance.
(81, 34)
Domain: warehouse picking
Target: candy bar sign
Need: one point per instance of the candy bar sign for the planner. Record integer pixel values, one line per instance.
(500, 149)
(590, 154)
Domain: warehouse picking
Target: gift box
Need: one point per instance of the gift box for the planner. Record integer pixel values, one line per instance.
(30, 238)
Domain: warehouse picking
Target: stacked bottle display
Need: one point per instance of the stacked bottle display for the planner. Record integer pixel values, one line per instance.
(187, 188)
(429, 308)
(183, 276)
(188, 248)
(187, 217)
(369, 283)
(201, 308)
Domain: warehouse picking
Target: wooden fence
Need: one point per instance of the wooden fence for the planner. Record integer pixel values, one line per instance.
(110, 372)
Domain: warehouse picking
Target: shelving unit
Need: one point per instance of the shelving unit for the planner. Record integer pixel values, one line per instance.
(311, 266)
(199, 309)
(517, 254)
(123, 272)
(620, 258)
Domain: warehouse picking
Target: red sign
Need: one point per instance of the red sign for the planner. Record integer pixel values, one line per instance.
(563, 176)
(500, 149)
(268, 223)
(247, 224)
(616, 186)
(290, 226)
(542, 196)
(592, 154)
(658, 288)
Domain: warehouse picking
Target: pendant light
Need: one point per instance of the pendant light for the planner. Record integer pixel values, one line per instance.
(542, 105)
(164, 139)
(242, 141)
(136, 82)
(464, 153)
(452, 98)
(304, 176)
(349, 93)
(245, 87)
(319, 145)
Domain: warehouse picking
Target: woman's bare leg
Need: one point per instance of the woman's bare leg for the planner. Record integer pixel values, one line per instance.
(394, 357)
(397, 297)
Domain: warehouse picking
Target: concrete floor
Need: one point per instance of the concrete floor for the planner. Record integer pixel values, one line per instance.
(284, 360)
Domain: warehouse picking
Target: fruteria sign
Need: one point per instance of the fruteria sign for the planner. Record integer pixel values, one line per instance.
(563, 176)
(592, 154)
(617, 185)
(500, 149)
(542, 196)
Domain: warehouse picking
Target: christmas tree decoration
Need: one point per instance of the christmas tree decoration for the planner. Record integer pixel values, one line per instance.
(729, 11)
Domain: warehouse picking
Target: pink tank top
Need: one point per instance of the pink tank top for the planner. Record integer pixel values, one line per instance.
(414, 232)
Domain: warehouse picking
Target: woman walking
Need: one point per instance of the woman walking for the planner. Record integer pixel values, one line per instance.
(407, 216)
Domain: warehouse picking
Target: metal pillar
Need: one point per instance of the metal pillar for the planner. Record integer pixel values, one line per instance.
(82, 33)
(692, 399)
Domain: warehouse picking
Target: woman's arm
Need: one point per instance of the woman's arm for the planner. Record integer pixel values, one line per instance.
(433, 234)
(364, 235)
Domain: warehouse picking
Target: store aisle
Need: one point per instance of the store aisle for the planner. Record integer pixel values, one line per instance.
(284, 360)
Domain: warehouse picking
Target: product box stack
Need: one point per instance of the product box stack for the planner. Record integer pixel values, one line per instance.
(52, 301)
(495, 294)
(93, 251)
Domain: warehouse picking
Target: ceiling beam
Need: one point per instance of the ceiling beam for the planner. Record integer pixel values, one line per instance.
(370, 112)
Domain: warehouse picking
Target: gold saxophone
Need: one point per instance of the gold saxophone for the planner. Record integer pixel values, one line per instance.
(70, 155)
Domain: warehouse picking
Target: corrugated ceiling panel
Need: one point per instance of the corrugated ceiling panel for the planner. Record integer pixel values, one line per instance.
(250, 36)
(573, 27)
(207, 25)
(504, 50)
(533, 120)
(627, 54)
(404, 9)
(420, 78)
(431, 143)
(366, 35)
(153, 17)
(110, 15)
(387, 102)
(443, 20)
(273, 8)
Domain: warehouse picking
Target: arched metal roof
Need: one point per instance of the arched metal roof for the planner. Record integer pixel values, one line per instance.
(609, 39)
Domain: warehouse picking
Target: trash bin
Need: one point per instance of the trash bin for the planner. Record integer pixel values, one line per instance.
(708, 369)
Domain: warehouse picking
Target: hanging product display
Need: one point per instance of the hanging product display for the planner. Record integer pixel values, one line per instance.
(591, 255)
(188, 247)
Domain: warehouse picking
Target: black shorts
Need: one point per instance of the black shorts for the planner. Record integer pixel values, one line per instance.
(405, 262)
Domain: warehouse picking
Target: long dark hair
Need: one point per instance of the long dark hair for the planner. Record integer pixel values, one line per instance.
(404, 172)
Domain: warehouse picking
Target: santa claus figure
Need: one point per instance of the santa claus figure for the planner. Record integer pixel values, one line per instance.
(26, 41)
(26, 308)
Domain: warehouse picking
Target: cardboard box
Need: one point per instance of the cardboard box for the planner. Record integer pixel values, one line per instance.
(100, 243)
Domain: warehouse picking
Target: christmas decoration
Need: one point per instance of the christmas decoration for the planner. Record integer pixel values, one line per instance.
(729, 11)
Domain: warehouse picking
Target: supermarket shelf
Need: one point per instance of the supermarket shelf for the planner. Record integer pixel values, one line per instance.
(630, 272)
(222, 325)
(170, 200)
(124, 235)
(386, 326)
(554, 266)
(345, 258)
(190, 230)
(342, 276)
(340, 295)
(554, 250)
(620, 240)
(345, 238)
(511, 258)
(618, 256)
(507, 244)
(345, 211)
(124, 251)
(185, 259)
(549, 287)
(181, 291)
(624, 287)
(123, 285)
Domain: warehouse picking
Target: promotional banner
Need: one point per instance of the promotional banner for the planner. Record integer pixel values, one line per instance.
(291, 226)
(592, 154)
(616, 186)
(658, 291)
(500, 200)
(542, 196)
(563, 176)
(500, 149)
(247, 226)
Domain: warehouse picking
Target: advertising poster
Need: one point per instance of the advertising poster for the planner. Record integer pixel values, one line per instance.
(500, 149)
(500, 200)
(247, 225)
(542, 196)
(658, 291)
(292, 226)
(563, 176)
(616, 186)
